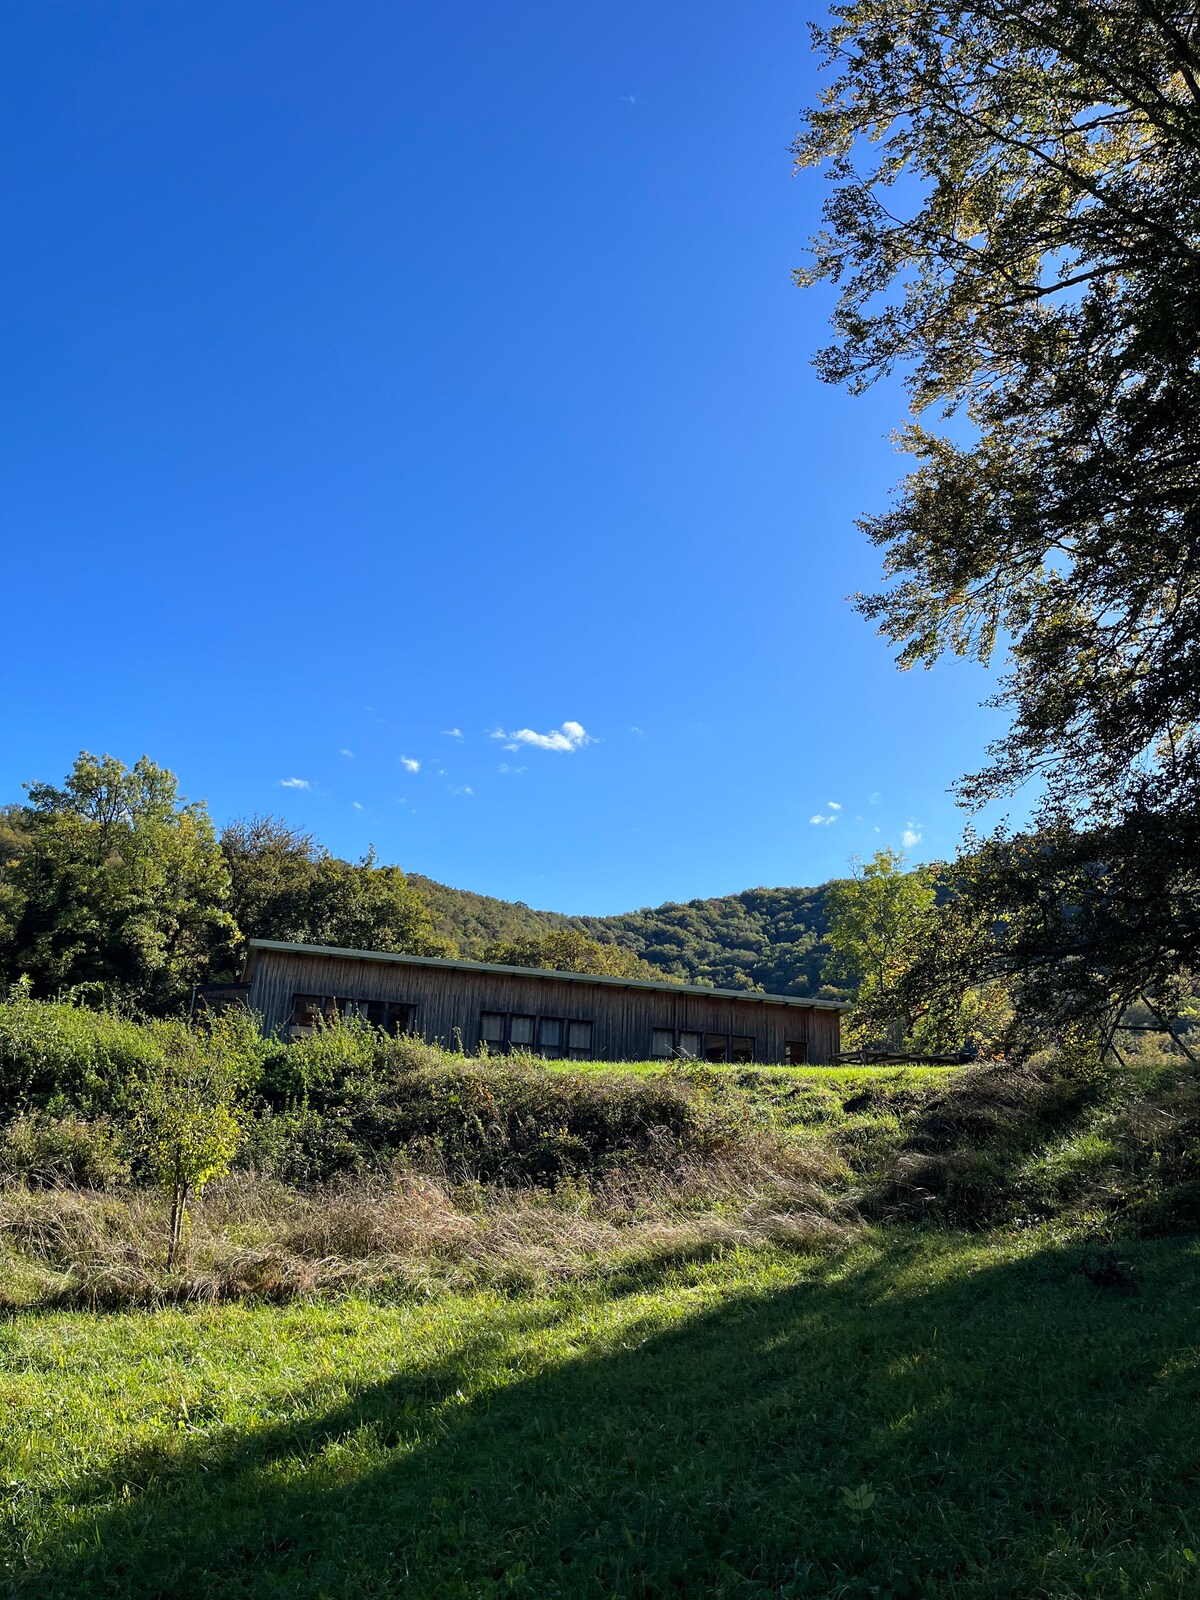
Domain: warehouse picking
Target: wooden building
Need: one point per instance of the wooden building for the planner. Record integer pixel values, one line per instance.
(470, 1005)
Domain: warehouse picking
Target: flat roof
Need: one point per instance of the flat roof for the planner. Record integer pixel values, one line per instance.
(456, 964)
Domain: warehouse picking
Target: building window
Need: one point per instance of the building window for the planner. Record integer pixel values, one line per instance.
(795, 1052)
(550, 1037)
(553, 1037)
(310, 1010)
(520, 1033)
(666, 1043)
(579, 1040)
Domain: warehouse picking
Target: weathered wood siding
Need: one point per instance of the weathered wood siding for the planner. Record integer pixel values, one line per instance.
(449, 1003)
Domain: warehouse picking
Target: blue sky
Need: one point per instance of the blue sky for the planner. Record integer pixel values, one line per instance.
(409, 429)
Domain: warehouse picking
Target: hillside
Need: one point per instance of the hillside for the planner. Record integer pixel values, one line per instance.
(761, 938)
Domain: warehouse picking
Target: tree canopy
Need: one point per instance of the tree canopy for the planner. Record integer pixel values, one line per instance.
(1011, 228)
(116, 882)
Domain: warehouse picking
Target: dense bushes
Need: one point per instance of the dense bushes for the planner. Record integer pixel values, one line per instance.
(1059, 1137)
(348, 1100)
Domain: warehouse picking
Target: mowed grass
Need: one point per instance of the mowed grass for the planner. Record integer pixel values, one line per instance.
(927, 1414)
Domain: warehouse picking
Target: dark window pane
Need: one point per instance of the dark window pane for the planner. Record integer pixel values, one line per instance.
(716, 1047)
(400, 1018)
(306, 1008)
(795, 1052)
(520, 1032)
(550, 1034)
(579, 1040)
(376, 1012)
(689, 1044)
(491, 1027)
(662, 1042)
(741, 1050)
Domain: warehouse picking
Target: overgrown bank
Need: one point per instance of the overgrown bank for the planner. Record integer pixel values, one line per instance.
(363, 1162)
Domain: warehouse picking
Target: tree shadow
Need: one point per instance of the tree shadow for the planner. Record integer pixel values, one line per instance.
(1013, 1426)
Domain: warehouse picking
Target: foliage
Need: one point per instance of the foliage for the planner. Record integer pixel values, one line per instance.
(116, 883)
(42, 1151)
(60, 1057)
(877, 922)
(286, 886)
(1009, 228)
(760, 939)
(473, 921)
(1074, 926)
(185, 1120)
(568, 950)
(349, 1099)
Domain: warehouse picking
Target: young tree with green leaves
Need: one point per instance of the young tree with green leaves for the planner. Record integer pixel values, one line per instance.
(187, 1104)
(877, 919)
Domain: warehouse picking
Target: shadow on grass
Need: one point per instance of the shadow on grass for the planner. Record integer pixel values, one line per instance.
(1018, 1432)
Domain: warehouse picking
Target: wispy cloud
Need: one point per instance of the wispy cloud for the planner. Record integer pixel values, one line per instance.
(410, 764)
(911, 835)
(512, 771)
(874, 799)
(636, 729)
(294, 783)
(571, 736)
(452, 733)
(819, 820)
(349, 754)
(466, 789)
(357, 804)
(834, 805)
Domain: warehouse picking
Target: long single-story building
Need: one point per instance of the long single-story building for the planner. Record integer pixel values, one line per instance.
(472, 1005)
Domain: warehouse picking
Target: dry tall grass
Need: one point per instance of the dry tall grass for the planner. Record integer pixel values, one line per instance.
(405, 1233)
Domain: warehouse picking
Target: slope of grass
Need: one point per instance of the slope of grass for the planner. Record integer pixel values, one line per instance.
(927, 1415)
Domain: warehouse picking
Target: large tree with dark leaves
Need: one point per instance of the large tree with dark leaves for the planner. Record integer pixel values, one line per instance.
(1014, 225)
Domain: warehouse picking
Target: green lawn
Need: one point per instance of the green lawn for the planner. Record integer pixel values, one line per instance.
(687, 1431)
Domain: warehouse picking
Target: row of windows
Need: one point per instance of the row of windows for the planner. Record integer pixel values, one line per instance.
(554, 1037)
(668, 1043)
(390, 1015)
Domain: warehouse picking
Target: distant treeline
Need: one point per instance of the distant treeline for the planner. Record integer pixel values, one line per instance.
(114, 888)
(771, 939)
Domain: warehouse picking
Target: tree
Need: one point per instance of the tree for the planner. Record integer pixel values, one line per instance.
(567, 950)
(877, 918)
(116, 882)
(187, 1105)
(284, 885)
(1011, 227)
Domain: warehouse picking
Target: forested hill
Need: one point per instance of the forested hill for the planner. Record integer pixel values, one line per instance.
(762, 938)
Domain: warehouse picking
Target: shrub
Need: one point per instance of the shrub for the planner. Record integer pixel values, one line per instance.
(49, 1152)
(69, 1058)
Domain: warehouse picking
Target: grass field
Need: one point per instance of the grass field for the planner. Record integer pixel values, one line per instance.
(924, 1414)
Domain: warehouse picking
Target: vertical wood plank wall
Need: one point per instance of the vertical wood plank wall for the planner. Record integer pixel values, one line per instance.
(449, 1003)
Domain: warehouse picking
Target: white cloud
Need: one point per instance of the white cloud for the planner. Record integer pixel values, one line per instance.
(818, 820)
(357, 804)
(349, 754)
(452, 733)
(466, 789)
(410, 764)
(636, 729)
(504, 767)
(294, 783)
(873, 799)
(571, 736)
(834, 805)
(911, 835)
